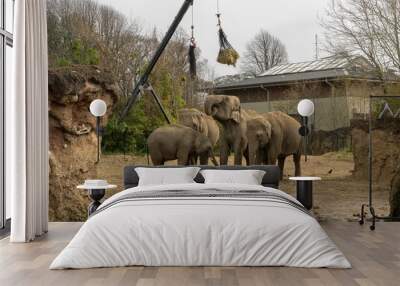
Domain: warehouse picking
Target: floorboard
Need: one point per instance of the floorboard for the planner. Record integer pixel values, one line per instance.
(375, 257)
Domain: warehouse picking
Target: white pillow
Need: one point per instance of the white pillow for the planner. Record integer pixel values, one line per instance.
(166, 176)
(246, 177)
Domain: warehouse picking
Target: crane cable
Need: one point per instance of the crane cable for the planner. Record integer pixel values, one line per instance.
(218, 14)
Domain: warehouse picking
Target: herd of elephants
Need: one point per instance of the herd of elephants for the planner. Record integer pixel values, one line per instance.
(260, 138)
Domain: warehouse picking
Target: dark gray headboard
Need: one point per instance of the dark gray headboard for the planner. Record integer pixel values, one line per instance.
(271, 178)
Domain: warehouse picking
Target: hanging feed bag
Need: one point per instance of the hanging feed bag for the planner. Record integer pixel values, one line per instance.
(192, 56)
(192, 59)
(227, 54)
(192, 51)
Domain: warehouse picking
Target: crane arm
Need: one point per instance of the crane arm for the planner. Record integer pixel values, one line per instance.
(145, 76)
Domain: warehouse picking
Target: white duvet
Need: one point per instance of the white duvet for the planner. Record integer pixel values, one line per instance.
(200, 232)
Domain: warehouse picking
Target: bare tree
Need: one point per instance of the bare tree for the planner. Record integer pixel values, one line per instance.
(86, 32)
(370, 28)
(116, 42)
(263, 52)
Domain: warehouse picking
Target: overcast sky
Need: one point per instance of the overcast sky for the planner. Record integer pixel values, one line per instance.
(295, 22)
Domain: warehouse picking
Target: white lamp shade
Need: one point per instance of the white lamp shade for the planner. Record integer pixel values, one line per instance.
(305, 108)
(98, 107)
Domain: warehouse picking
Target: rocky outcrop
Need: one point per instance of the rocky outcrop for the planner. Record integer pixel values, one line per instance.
(385, 149)
(385, 156)
(73, 142)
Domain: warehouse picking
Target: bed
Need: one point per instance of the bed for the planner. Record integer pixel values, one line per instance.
(201, 224)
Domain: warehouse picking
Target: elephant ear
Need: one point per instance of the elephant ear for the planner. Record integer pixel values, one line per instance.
(203, 127)
(195, 123)
(211, 102)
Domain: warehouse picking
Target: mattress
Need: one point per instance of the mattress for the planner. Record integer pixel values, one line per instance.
(201, 225)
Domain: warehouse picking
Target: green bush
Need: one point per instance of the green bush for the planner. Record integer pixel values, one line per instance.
(79, 54)
(130, 136)
(83, 55)
(118, 137)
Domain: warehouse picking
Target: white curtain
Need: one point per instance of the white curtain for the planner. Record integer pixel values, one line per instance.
(27, 124)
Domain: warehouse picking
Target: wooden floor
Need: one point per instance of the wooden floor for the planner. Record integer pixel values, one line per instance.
(375, 257)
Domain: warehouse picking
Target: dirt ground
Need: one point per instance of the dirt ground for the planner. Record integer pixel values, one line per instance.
(337, 196)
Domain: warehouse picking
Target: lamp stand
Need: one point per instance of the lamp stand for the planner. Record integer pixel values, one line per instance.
(98, 138)
(306, 131)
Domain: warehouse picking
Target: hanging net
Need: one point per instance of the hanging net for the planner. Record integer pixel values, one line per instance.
(227, 54)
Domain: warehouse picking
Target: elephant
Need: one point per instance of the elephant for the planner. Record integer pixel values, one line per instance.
(226, 110)
(180, 142)
(201, 122)
(285, 140)
(259, 133)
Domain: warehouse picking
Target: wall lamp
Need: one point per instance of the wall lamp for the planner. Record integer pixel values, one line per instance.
(98, 108)
(306, 109)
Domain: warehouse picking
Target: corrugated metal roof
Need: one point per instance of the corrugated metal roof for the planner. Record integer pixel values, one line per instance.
(317, 65)
(325, 68)
(283, 78)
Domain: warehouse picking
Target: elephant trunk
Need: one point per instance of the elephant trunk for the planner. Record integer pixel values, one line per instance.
(253, 152)
(213, 160)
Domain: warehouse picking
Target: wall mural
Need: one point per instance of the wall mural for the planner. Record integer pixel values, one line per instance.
(239, 126)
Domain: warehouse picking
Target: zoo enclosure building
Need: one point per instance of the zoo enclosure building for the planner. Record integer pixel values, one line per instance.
(339, 87)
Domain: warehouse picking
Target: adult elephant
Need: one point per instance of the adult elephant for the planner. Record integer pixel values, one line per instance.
(180, 142)
(285, 140)
(201, 122)
(259, 134)
(226, 110)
